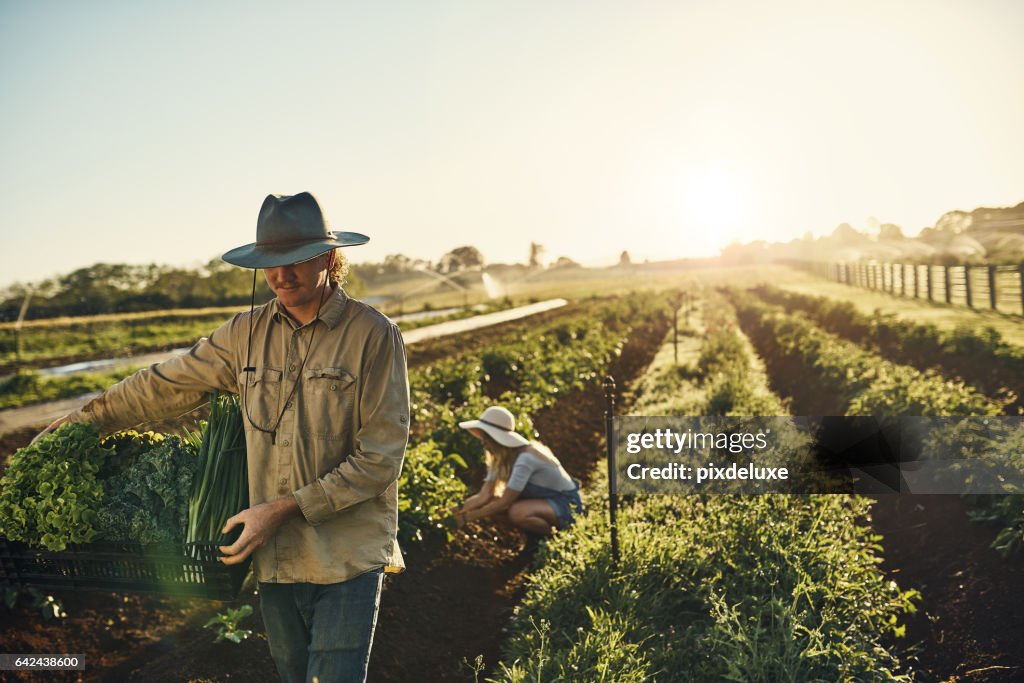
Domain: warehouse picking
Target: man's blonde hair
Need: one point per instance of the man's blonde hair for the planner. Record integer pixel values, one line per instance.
(339, 270)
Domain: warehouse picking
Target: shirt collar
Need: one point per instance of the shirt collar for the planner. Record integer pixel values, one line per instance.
(330, 313)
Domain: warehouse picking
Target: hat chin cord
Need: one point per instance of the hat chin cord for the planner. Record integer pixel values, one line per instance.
(248, 369)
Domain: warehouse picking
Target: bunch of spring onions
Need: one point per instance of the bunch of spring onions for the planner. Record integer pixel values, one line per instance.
(221, 487)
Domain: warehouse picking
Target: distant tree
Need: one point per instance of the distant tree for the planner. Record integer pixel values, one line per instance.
(845, 233)
(890, 231)
(742, 254)
(396, 263)
(954, 222)
(565, 262)
(535, 252)
(624, 259)
(460, 258)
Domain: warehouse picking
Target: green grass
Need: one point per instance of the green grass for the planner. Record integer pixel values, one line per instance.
(106, 336)
(946, 318)
(27, 387)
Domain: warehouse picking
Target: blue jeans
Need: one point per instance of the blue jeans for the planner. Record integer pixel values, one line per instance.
(322, 632)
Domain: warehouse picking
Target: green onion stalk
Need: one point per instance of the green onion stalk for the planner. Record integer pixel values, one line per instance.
(221, 489)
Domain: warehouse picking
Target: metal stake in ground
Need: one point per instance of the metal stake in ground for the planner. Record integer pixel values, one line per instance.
(609, 435)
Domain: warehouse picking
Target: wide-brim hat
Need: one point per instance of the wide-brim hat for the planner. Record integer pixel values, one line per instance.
(290, 229)
(500, 425)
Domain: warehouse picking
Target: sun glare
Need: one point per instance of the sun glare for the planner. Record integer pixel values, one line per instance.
(713, 200)
(714, 210)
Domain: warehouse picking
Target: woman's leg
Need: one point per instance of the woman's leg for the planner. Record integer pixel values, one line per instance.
(534, 515)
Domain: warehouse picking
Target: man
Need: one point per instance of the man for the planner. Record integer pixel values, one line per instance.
(324, 389)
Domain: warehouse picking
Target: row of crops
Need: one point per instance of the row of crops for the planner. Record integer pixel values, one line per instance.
(855, 381)
(73, 495)
(976, 354)
(526, 374)
(711, 588)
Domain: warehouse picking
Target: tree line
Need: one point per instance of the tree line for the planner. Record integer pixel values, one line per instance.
(122, 288)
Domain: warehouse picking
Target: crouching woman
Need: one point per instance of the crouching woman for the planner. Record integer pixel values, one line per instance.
(523, 478)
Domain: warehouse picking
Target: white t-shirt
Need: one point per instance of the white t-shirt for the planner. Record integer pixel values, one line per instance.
(530, 467)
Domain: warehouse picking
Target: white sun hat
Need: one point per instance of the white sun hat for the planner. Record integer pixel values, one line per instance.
(500, 425)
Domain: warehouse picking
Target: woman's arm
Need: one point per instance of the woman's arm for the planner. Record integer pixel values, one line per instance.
(494, 506)
(480, 498)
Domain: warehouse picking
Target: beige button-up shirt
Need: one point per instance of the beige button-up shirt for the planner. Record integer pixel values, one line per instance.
(340, 386)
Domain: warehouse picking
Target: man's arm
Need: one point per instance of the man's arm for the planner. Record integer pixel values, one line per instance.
(380, 439)
(166, 389)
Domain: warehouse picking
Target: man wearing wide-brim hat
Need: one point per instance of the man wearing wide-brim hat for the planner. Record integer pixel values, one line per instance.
(324, 389)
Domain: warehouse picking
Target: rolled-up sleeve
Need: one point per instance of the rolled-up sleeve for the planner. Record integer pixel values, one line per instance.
(382, 434)
(168, 389)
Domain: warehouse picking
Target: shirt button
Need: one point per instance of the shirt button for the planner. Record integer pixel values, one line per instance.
(289, 404)
(292, 368)
(285, 442)
(334, 387)
(284, 480)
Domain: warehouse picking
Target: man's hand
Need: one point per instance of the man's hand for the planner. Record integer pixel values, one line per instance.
(260, 524)
(56, 423)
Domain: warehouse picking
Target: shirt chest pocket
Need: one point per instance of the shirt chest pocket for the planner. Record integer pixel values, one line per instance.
(328, 403)
(260, 392)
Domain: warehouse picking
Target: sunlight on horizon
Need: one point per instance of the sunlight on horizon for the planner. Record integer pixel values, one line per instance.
(714, 210)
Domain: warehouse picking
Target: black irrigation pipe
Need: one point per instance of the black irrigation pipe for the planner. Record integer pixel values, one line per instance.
(613, 496)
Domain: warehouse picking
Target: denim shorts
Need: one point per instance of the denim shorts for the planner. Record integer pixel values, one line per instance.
(566, 504)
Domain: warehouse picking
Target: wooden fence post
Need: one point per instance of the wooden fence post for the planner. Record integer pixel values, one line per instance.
(967, 285)
(993, 299)
(928, 281)
(948, 285)
(1020, 271)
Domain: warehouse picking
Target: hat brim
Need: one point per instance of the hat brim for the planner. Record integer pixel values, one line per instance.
(508, 439)
(263, 256)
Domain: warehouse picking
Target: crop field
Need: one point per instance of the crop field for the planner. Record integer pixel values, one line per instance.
(708, 587)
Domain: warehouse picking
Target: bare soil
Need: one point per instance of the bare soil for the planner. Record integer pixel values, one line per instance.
(971, 623)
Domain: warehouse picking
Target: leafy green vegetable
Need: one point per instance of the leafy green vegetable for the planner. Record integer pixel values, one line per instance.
(429, 483)
(51, 492)
(147, 500)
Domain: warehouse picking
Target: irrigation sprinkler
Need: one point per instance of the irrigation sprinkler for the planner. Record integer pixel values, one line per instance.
(609, 435)
(677, 300)
(17, 325)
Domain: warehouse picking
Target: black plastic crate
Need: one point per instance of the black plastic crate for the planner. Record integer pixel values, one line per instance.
(191, 570)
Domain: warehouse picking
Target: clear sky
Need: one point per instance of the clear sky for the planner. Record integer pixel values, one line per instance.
(151, 131)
